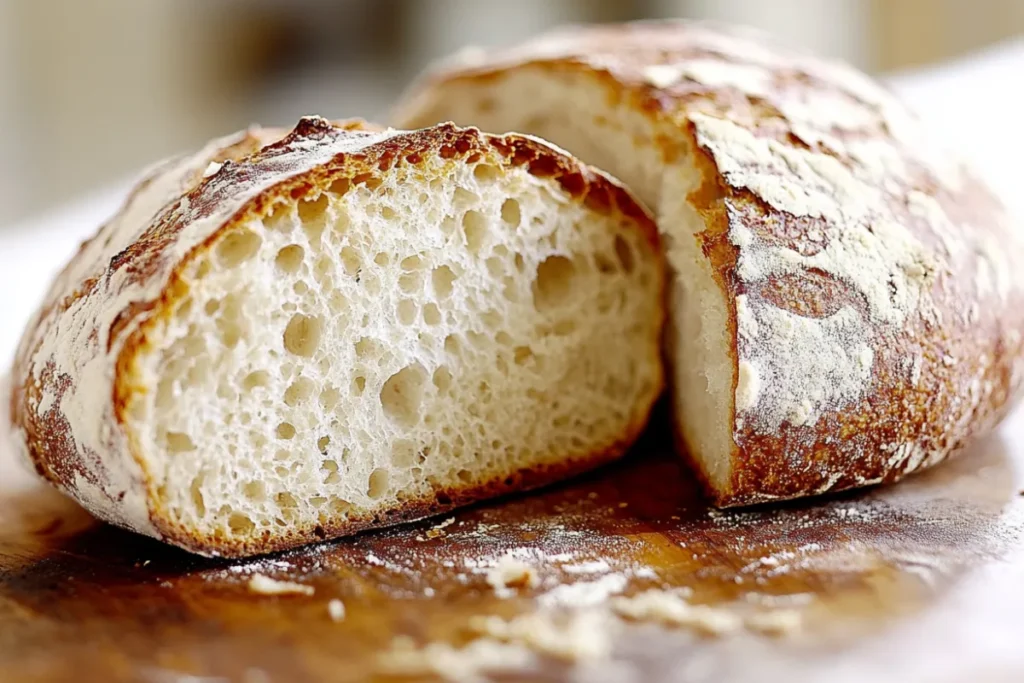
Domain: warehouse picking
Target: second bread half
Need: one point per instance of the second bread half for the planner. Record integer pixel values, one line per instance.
(844, 307)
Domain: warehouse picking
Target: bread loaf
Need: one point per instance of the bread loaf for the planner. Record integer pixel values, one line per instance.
(845, 309)
(278, 342)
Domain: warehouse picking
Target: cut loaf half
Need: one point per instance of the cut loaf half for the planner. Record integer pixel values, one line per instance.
(845, 308)
(276, 342)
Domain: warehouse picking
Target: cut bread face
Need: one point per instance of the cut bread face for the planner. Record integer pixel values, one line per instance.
(822, 247)
(551, 104)
(387, 344)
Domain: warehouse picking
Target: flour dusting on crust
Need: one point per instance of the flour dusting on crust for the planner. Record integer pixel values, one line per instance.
(834, 371)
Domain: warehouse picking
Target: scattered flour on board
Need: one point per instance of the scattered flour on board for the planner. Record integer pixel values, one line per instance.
(670, 608)
(336, 609)
(469, 664)
(591, 567)
(571, 636)
(511, 572)
(584, 593)
(264, 585)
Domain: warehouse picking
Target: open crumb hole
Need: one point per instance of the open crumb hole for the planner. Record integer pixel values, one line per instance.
(431, 314)
(554, 283)
(485, 173)
(237, 246)
(259, 378)
(302, 335)
(378, 483)
(289, 259)
(474, 228)
(624, 254)
(178, 442)
(300, 390)
(511, 213)
(240, 524)
(255, 491)
(402, 395)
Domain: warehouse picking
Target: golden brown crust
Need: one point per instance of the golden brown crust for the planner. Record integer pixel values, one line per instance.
(830, 217)
(257, 171)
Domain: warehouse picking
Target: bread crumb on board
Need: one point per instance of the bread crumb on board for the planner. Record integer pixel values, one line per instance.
(577, 636)
(571, 637)
(778, 622)
(264, 585)
(437, 530)
(511, 572)
(670, 608)
(511, 645)
(336, 608)
(468, 664)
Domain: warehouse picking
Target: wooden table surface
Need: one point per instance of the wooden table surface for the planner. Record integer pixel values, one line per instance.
(922, 581)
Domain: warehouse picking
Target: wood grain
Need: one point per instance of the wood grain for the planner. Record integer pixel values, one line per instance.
(919, 581)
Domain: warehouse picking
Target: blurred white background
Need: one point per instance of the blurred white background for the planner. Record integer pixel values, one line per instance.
(91, 90)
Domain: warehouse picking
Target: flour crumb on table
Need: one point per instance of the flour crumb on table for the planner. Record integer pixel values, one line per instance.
(437, 530)
(580, 594)
(468, 664)
(671, 608)
(573, 636)
(781, 622)
(264, 585)
(590, 567)
(336, 608)
(511, 572)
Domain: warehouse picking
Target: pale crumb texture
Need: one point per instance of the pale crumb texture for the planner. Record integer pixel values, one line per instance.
(336, 608)
(376, 343)
(511, 572)
(264, 585)
(573, 636)
(469, 664)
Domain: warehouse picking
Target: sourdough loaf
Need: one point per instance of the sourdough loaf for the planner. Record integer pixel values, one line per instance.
(844, 308)
(289, 337)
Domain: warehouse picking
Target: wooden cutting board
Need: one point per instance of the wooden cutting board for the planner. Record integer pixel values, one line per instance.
(923, 581)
